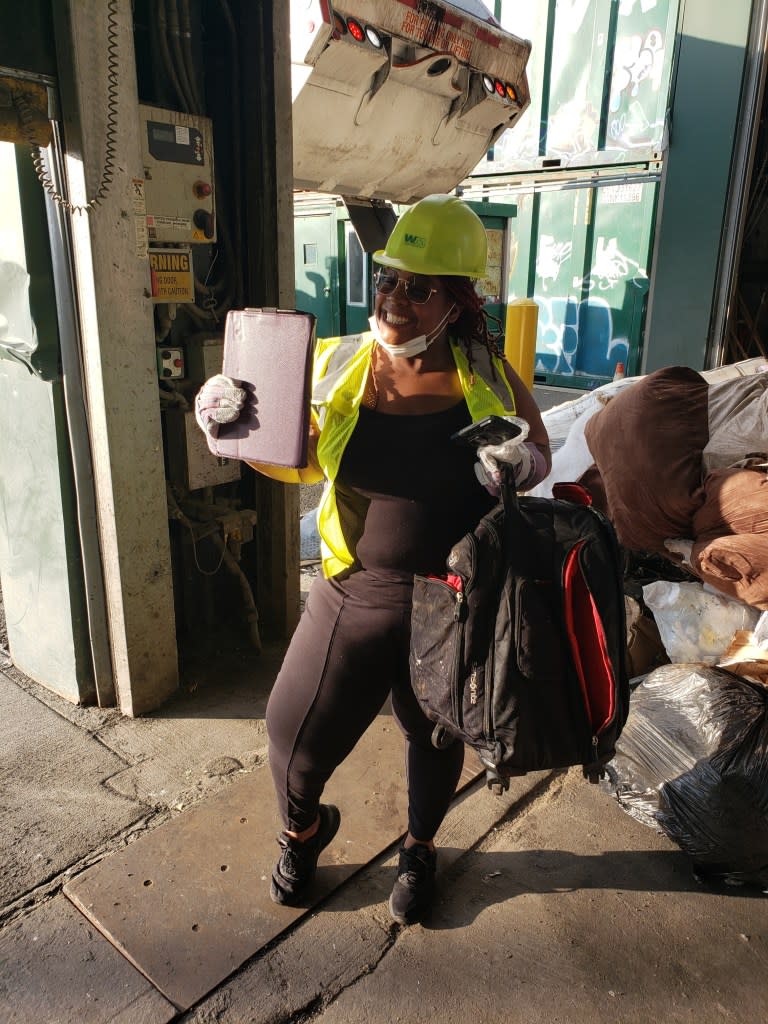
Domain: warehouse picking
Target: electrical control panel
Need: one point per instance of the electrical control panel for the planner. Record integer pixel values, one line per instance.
(204, 355)
(179, 186)
(170, 363)
(192, 466)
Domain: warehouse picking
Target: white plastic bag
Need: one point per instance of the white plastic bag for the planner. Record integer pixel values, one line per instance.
(565, 427)
(696, 625)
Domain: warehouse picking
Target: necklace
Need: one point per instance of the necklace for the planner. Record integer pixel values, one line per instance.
(371, 393)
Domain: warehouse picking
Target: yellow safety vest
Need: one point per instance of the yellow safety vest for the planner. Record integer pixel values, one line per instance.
(340, 374)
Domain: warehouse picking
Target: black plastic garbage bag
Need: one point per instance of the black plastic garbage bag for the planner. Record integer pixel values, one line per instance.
(692, 762)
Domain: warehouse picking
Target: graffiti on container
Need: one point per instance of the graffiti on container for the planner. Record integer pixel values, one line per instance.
(572, 130)
(577, 338)
(611, 266)
(579, 335)
(637, 59)
(550, 257)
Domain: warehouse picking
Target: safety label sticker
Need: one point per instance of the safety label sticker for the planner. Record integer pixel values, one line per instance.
(630, 193)
(171, 274)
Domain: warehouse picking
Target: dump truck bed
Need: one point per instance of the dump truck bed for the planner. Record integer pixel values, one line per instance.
(397, 99)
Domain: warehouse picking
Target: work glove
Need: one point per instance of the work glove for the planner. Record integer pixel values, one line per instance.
(219, 400)
(517, 454)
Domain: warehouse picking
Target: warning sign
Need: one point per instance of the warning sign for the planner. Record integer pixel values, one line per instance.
(438, 37)
(171, 273)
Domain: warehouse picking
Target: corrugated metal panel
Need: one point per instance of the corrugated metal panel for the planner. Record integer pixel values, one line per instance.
(583, 165)
(582, 253)
(599, 76)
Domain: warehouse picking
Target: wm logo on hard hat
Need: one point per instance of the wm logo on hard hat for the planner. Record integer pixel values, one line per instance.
(415, 240)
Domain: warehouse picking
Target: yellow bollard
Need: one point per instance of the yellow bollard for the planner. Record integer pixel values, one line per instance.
(520, 338)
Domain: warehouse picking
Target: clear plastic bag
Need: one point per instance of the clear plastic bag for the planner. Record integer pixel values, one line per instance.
(692, 762)
(309, 537)
(695, 624)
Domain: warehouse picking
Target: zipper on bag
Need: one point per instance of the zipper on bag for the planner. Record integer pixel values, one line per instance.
(459, 633)
(455, 584)
(487, 698)
(600, 668)
(488, 733)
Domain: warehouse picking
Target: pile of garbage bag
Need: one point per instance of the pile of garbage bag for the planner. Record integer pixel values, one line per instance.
(680, 467)
(692, 762)
(678, 461)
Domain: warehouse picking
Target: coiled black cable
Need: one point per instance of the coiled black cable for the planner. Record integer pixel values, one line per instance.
(26, 118)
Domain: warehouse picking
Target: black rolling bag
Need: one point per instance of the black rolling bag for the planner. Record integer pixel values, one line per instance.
(519, 649)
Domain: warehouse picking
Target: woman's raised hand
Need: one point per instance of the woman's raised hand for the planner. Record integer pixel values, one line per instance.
(219, 400)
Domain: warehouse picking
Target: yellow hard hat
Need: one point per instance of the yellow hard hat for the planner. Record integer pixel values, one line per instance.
(439, 235)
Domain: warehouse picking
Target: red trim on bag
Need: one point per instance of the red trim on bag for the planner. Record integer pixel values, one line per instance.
(572, 492)
(588, 643)
(453, 581)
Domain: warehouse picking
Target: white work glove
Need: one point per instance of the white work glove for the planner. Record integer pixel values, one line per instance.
(219, 400)
(514, 453)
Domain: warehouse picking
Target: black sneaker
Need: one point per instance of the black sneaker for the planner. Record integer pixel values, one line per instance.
(414, 886)
(297, 864)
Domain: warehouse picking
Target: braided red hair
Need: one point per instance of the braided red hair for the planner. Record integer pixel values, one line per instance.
(472, 324)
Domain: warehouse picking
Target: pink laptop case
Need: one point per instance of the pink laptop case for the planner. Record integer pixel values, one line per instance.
(270, 352)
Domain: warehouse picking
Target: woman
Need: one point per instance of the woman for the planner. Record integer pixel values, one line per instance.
(399, 493)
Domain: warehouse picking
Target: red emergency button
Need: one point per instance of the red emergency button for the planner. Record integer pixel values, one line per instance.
(177, 362)
(202, 189)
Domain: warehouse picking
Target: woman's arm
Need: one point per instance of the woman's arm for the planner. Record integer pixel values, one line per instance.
(310, 474)
(528, 410)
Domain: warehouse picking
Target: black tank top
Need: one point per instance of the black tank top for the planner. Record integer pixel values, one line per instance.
(420, 486)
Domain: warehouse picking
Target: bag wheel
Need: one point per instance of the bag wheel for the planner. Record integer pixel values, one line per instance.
(495, 782)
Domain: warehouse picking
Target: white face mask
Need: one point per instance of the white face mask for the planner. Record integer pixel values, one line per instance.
(413, 347)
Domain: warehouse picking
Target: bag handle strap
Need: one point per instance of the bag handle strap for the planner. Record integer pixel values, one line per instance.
(508, 492)
(522, 544)
(562, 491)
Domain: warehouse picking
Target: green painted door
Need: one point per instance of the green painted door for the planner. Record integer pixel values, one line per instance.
(40, 549)
(493, 287)
(317, 272)
(354, 280)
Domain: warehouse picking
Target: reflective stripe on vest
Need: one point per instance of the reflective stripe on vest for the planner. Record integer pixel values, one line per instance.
(339, 379)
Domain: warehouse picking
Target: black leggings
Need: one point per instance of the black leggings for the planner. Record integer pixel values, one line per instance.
(349, 651)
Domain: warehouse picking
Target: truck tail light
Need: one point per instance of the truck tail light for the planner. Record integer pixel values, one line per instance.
(356, 30)
(373, 37)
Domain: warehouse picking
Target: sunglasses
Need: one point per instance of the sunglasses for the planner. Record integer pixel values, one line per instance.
(416, 290)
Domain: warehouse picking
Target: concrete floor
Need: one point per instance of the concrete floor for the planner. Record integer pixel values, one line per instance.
(554, 904)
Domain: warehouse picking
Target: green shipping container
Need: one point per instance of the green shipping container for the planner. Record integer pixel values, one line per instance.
(599, 75)
(582, 253)
(584, 166)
